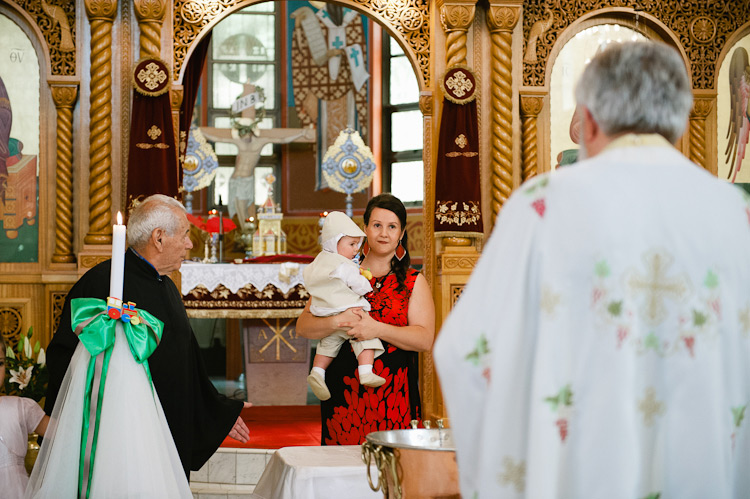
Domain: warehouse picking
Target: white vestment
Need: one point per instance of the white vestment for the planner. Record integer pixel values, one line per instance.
(601, 348)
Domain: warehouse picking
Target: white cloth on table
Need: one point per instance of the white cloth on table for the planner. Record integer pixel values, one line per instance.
(19, 416)
(602, 345)
(135, 453)
(326, 472)
(235, 277)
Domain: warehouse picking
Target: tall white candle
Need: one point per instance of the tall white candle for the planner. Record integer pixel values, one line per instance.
(118, 259)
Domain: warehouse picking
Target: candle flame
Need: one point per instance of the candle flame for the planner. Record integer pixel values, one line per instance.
(119, 218)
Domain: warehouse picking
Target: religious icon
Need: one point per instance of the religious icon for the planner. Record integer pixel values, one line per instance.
(329, 95)
(738, 128)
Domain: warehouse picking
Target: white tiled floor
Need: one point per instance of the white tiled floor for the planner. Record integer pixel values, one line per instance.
(230, 474)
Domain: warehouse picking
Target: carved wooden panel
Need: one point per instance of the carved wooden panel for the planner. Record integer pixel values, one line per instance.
(409, 18)
(701, 26)
(12, 323)
(456, 291)
(56, 301)
(57, 21)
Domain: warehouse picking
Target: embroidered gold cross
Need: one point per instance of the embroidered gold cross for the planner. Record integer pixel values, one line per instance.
(278, 338)
(657, 286)
(513, 473)
(650, 407)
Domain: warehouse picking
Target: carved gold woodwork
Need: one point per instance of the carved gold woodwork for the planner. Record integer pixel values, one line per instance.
(176, 94)
(420, 239)
(126, 85)
(150, 15)
(501, 21)
(410, 19)
(456, 19)
(64, 97)
(697, 132)
(56, 302)
(11, 323)
(454, 266)
(702, 28)
(89, 261)
(531, 106)
(57, 21)
(101, 15)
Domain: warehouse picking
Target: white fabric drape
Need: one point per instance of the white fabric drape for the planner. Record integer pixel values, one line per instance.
(135, 453)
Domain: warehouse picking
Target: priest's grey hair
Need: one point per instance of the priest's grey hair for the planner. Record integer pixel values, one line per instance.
(156, 211)
(637, 87)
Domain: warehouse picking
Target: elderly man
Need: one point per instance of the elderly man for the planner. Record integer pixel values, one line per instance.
(602, 346)
(198, 417)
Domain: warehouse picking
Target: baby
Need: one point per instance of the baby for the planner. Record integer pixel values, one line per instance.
(335, 284)
(19, 416)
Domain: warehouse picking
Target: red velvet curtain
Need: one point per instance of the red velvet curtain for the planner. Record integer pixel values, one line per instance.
(457, 189)
(152, 163)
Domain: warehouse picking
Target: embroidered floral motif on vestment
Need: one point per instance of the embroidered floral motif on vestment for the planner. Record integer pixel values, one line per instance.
(562, 405)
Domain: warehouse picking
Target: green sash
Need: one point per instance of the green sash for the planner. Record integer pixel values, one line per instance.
(96, 330)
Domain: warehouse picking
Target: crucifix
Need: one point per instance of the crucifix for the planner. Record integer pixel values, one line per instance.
(242, 182)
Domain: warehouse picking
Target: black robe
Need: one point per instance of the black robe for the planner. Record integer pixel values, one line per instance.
(198, 416)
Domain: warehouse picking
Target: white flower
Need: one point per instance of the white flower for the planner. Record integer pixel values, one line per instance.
(42, 358)
(22, 377)
(9, 353)
(27, 347)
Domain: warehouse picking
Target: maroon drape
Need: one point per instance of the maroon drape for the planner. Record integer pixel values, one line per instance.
(152, 163)
(457, 189)
(191, 82)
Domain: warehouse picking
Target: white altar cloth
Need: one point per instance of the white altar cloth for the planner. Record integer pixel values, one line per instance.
(283, 276)
(328, 472)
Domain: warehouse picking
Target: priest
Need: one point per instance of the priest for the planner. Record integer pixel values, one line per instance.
(602, 345)
(199, 417)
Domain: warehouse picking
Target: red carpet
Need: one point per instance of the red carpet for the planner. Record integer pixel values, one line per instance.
(273, 427)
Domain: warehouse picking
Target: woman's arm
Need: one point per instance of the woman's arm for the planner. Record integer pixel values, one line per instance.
(41, 428)
(315, 328)
(417, 336)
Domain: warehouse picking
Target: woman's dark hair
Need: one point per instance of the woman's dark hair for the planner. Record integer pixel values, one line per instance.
(393, 204)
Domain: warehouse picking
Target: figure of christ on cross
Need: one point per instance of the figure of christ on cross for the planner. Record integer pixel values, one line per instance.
(242, 181)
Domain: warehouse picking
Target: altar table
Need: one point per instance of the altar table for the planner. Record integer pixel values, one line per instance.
(256, 290)
(268, 297)
(328, 472)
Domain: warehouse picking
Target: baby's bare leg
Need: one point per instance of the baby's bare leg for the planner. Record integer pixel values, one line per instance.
(366, 357)
(323, 361)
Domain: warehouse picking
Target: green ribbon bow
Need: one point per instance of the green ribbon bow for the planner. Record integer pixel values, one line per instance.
(96, 331)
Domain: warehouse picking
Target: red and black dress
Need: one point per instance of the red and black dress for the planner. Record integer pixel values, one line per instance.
(353, 410)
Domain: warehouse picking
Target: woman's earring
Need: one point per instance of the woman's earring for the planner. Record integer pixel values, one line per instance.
(400, 251)
(365, 248)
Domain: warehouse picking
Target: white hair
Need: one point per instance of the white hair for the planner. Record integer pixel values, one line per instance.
(637, 87)
(154, 212)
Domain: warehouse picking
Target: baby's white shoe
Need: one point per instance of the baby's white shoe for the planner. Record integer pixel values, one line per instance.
(318, 386)
(371, 379)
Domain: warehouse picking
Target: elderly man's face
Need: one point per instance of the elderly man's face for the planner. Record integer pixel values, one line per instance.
(176, 247)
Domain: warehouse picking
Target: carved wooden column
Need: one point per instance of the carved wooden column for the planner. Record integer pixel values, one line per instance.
(701, 108)
(101, 15)
(150, 14)
(64, 97)
(176, 94)
(501, 20)
(456, 19)
(531, 106)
